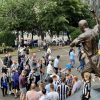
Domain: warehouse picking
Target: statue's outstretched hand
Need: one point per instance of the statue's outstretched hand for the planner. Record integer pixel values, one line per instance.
(95, 16)
(93, 12)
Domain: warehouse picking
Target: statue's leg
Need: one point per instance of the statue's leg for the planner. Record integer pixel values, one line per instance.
(87, 68)
(93, 66)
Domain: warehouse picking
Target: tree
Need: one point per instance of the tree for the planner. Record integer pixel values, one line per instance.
(41, 16)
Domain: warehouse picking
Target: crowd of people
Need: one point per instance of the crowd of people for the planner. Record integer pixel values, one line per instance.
(43, 78)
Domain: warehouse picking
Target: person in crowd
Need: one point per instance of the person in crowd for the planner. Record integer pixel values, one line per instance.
(41, 87)
(15, 82)
(56, 81)
(56, 64)
(50, 58)
(47, 59)
(72, 57)
(4, 84)
(40, 42)
(26, 75)
(63, 90)
(82, 57)
(5, 59)
(31, 78)
(86, 94)
(16, 43)
(9, 61)
(67, 69)
(42, 69)
(43, 60)
(19, 58)
(9, 75)
(27, 69)
(44, 95)
(50, 70)
(27, 50)
(14, 65)
(69, 80)
(33, 60)
(59, 73)
(22, 51)
(53, 95)
(49, 50)
(76, 85)
(71, 49)
(22, 84)
(32, 94)
(47, 87)
(21, 65)
(44, 45)
(37, 75)
(4, 69)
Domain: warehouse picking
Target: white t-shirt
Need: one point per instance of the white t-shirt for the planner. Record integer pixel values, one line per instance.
(48, 51)
(53, 95)
(56, 63)
(50, 69)
(44, 97)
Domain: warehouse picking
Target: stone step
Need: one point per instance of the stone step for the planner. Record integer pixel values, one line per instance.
(95, 95)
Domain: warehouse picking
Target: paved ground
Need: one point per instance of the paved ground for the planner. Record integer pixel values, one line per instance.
(63, 52)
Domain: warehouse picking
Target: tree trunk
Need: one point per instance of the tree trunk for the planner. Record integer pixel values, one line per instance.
(68, 36)
(32, 35)
(57, 33)
(51, 34)
(22, 38)
(42, 36)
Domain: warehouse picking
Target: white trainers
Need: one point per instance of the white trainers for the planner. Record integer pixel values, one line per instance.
(93, 80)
(9, 92)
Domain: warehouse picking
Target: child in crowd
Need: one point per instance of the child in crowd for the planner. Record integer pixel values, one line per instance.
(86, 86)
(69, 81)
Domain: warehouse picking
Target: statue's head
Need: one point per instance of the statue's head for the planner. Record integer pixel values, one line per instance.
(83, 24)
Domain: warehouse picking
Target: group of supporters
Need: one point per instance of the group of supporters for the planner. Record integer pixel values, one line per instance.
(42, 78)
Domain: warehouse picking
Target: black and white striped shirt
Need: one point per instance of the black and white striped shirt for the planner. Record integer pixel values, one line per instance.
(63, 91)
(86, 88)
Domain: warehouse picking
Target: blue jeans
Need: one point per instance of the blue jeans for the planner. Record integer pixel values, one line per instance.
(82, 64)
(72, 62)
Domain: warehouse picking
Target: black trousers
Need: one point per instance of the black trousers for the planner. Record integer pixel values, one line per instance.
(37, 79)
(84, 98)
(4, 91)
(56, 70)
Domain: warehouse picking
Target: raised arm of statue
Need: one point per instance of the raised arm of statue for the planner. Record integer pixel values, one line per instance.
(95, 17)
(80, 39)
(96, 28)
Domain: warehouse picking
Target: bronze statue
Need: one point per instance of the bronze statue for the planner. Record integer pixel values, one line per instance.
(89, 40)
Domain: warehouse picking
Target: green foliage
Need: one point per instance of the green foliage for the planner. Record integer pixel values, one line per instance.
(75, 32)
(7, 38)
(42, 15)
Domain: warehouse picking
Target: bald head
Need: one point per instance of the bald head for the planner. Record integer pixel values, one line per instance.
(83, 24)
